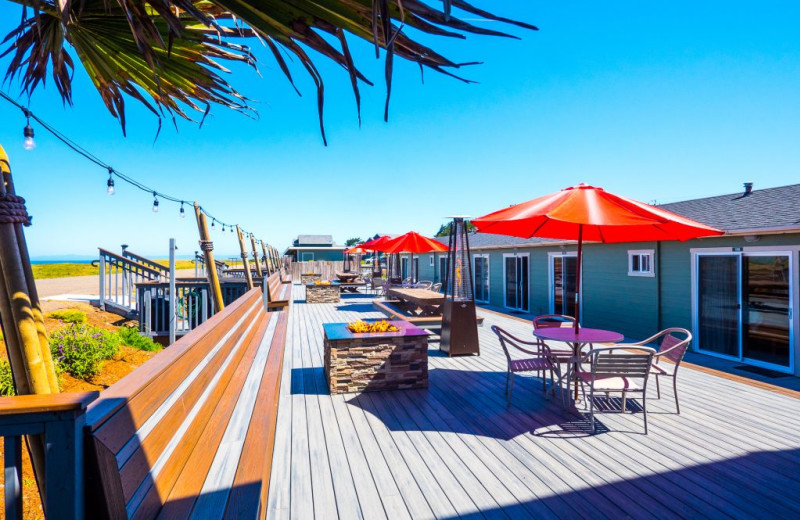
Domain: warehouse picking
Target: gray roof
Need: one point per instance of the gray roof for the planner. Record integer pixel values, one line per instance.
(303, 240)
(768, 208)
(761, 209)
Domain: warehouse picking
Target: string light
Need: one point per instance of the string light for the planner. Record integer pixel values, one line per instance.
(110, 183)
(28, 143)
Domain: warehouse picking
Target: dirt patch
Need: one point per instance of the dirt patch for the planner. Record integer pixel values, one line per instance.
(111, 371)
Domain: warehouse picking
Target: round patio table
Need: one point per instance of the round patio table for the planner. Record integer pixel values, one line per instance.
(576, 341)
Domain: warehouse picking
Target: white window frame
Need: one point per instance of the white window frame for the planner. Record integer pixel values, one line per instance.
(794, 259)
(488, 276)
(505, 281)
(650, 253)
(431, 260)
(551, 303)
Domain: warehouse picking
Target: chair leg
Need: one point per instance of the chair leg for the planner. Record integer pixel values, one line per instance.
(591, 410)
(624, 400)
(675, 391)
(644, 409)
(508, 375)
(543, 375)
(510, 391)
(658, 388)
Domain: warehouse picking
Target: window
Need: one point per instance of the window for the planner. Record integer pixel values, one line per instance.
(307, 257)
(640, 263)
(431, 260)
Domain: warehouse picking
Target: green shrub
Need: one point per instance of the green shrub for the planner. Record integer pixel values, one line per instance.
(131, 337)
(80, 349)
(68, 316)
(6, 381)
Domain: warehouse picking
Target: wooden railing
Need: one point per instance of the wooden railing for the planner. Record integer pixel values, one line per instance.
(193, 305)
(118, 278)
(163, 269)
(54, 422)
(200, 266)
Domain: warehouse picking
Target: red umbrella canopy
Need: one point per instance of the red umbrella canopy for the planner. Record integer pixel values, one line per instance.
(600, 215)
(356, 250)
(412, 242)
(371, 244)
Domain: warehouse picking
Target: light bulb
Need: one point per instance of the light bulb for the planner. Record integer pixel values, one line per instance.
(28, 143)
(183, 213)
(155, 205)
(212, 223)
(110, 183)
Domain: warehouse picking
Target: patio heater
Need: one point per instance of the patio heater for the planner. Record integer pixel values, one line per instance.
(346, 264)
(459, 321)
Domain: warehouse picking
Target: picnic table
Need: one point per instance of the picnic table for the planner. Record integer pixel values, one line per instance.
(427, 302)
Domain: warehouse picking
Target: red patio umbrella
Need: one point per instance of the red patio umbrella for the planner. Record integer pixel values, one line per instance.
(412, 242)
(588, 213)
(373, 245)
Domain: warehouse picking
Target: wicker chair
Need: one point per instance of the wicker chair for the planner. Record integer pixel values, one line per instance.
(617, 370)
(672, 348)
(539, 363)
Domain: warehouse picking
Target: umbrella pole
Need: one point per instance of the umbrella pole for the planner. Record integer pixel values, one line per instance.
(578, 274)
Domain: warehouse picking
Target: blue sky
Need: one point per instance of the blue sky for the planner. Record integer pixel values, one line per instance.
(657, 101)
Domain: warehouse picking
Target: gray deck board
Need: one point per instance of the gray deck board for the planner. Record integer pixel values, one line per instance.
(455, 450)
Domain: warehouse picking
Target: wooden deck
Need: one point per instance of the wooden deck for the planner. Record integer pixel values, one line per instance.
(454, 450)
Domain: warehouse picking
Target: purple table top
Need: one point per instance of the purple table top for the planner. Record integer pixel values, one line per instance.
(585, 335)
(339, 331)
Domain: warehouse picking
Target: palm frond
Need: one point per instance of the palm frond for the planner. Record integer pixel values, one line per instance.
(166, 54)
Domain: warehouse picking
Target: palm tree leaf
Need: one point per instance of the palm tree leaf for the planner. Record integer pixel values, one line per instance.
(166, 53)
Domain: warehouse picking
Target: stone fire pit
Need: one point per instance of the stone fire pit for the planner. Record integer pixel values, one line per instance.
(306, 278)
(323, 293)
(369, 362)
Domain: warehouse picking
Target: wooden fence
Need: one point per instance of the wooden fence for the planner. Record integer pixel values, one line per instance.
(327, 269)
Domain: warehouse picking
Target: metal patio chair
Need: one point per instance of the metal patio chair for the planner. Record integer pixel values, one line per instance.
(424, 284)
(538, 363)
(674, 344)
(437, 287)
(618, 370)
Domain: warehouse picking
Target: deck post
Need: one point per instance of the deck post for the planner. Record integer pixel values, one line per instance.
(265, 256)
(245, 262)
(207, 246)
(102, 263)
(172, 292)
(255, 256)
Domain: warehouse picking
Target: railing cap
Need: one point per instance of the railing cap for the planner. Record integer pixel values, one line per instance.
(40, 403)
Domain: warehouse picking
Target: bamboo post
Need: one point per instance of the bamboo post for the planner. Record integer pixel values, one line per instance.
(20, 314)
(255, 256)
(267, 260)
(207, 246)
(245, 261)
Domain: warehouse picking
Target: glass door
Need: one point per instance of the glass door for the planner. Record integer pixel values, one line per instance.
(744, 307)
(718, 307)
(481, 278)
(404, 268)
(516, 278)
(766, 316)
(564, 276)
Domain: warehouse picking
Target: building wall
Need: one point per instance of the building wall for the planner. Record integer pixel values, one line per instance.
(322, 254)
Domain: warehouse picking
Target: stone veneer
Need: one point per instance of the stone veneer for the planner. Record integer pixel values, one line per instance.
(310, 278)
(376, 362)
(322, 293)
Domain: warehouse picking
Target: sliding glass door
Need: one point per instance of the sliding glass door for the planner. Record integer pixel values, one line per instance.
(515, 269)
(744, 307)
(563, 277)
(481, 273)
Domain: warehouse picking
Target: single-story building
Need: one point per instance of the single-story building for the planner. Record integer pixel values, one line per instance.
(735, 293)
(309, 248)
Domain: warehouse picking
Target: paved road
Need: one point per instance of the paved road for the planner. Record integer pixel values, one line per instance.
(82, 285)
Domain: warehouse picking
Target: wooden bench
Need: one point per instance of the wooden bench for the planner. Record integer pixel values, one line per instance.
(279, 293)
(191, 431)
